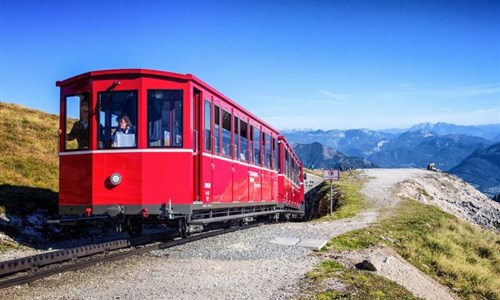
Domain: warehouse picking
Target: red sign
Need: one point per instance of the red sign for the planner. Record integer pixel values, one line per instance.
(331, 175)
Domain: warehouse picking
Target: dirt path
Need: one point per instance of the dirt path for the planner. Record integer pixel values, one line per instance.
(379, 191)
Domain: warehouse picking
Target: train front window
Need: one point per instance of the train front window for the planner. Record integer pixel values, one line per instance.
(165, 118)
(117, 119)
(77, 122)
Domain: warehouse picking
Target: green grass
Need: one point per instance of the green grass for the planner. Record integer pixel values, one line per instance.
(457, 254)
(359, 284)
(353, 203)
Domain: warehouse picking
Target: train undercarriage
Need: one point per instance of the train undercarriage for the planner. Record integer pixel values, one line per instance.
(194, 221)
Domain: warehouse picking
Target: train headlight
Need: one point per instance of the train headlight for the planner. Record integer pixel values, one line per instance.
(115, 178)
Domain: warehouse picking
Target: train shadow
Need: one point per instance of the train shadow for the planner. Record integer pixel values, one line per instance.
(23, 212)
(23, 200)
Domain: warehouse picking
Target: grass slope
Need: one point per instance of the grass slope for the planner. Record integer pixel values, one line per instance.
(28, 159)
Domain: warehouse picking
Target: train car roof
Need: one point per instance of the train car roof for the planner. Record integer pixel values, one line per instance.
(159, 74)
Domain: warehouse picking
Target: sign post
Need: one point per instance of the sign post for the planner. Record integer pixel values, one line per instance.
(331, 175)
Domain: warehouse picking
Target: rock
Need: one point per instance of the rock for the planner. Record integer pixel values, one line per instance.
(369, 265)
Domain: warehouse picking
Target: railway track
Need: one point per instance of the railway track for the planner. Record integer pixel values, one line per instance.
(29, 269)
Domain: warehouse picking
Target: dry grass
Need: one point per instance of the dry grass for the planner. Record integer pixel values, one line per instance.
(28, 155)
(358, 284)
(351, 201)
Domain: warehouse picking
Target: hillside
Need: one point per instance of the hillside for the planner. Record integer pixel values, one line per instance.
(424, 230)
(28, 158)
(482, 169)
(418, 148)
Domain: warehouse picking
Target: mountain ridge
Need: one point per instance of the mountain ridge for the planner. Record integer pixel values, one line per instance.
(444, 144)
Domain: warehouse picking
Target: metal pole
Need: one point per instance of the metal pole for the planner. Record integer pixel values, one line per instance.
(331, 199)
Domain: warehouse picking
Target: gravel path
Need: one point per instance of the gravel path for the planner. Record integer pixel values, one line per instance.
(381, 192)
(239, 265)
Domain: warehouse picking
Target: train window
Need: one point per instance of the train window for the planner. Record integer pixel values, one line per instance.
(274, 155)
(177, 123)
(117, 119)
(278, 158)
(236, 138)
(250, 144)
(165, 118)
(267, 140)
(217, 130)
(226, 133)
(208, 123)
(77, 118)
(243, 140)
(256, 146)
(286, 163)
(263, 148)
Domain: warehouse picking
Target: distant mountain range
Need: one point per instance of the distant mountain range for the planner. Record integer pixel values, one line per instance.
(316, 156)
(418, 148)
(446, 145)
(489, 132)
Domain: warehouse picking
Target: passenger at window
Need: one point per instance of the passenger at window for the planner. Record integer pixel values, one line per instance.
(124, 135)
(80, 129)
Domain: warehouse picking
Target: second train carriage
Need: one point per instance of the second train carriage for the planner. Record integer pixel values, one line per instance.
(141, 145)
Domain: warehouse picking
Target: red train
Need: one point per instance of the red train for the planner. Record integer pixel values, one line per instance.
(143, 145)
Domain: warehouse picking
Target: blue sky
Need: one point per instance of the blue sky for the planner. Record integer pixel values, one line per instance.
(296, 64)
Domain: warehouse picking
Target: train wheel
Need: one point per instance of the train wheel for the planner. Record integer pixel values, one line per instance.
(134, 226)
(274, 218)
(184, 228)
(285, 217)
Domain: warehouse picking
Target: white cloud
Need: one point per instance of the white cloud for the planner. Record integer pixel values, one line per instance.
(337, 97)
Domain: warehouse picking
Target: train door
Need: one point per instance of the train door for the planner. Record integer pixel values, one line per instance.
(196, 136)
(225, 163)
(240, 176)
(235, 154)
(266, 163)
(275, 167)
(206, 158)
(255, 172)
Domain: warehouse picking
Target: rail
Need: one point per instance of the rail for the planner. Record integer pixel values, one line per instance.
(43, 265)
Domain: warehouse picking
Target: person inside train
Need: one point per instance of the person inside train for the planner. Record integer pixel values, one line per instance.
(80, 129)
(124, 135)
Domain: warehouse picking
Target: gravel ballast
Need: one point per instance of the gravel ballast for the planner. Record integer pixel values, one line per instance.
(238, 265)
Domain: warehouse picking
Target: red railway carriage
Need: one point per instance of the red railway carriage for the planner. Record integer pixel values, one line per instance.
(141, 145)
